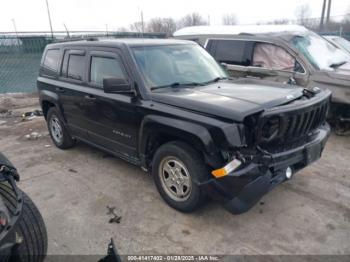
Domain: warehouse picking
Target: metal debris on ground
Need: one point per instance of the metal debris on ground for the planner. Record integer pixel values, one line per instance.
(31, 115)
(4, 113)
(33, 136)
(115, 218)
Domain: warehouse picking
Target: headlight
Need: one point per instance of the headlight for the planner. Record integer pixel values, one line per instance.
(270, 128)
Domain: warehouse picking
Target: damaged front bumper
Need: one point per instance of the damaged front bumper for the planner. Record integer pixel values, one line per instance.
(241, 189)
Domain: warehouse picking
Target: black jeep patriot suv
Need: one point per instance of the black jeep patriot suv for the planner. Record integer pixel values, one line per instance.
(168, 107)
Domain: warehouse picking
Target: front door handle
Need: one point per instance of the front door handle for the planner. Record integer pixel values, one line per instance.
(90, 97)
(59, 89)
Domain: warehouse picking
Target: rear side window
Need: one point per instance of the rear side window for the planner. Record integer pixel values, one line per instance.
(51, 62)
(105, 67)
(75, 69)
(234, 52)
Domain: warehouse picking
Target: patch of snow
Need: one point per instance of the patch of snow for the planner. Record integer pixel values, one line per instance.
(238, 29)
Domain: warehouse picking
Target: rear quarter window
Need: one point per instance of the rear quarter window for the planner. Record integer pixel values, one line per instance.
(51, 62)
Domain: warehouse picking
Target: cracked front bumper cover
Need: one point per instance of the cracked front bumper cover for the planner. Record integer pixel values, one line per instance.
(242, 189)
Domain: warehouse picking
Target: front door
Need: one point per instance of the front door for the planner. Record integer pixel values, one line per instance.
(258, 60)
(274, 63)
(113, 118)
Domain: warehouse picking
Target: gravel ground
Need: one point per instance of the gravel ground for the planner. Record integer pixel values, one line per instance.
(308, 215)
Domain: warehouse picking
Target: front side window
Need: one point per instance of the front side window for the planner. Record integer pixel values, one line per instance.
(103, 67)
(75, 67)
(51, 61)
(272, 57)
(166, 65)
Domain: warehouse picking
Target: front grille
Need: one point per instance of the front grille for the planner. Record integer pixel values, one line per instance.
(296, 125)
(292, 124)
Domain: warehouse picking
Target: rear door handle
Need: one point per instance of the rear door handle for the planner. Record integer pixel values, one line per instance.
(90, 97)
(59, 90)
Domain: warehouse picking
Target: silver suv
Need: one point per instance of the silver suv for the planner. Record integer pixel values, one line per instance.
(283, 53)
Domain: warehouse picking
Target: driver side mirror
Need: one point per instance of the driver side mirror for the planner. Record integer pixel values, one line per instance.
(116, 85)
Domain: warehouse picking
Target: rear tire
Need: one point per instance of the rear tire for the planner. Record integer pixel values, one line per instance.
(58, 131)
(176, 168)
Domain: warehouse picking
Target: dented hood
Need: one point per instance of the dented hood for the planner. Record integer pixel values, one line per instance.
(229, 99)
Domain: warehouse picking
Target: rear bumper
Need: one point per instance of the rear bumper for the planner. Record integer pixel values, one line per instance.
(242, 189)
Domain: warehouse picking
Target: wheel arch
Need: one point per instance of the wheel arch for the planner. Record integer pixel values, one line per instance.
(49, 99)
(158, 130)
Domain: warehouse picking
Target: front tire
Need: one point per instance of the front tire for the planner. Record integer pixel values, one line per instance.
(29, 229)
(176, 168)
(58, 132)
(32, 230)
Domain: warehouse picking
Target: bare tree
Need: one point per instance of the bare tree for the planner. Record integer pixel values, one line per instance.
(162, 25)
(302, 13)
(279, 22)
(229, 19)
(192, 20)
(122, 29)
(136, 27)
(347, 16)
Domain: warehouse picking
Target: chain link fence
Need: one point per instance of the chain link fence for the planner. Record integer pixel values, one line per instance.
(19, 62)
(20, 56)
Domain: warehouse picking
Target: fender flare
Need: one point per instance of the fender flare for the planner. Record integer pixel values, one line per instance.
(52, 97)
(175, 127)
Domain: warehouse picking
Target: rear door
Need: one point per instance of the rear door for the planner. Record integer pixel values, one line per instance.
(236, 54)
(72, 88)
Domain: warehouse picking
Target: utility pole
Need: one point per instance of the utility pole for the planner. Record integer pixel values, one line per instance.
(142, 24)
(66, 30)
(322, 15)
(328, 12)
(48, 13)
(14, 25)
(107, 30)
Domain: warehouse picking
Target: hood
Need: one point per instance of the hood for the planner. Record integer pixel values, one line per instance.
(341, 73)
(229, 99)
(339, 76)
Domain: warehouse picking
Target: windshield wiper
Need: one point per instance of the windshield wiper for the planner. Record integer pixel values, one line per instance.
(178, 84)
(336, 65)
(217, 79)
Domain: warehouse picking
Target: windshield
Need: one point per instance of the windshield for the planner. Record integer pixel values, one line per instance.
(162, 66)
(319, 52)
(343, 43)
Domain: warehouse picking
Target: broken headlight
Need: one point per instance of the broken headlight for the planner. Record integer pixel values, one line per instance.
(270, 128)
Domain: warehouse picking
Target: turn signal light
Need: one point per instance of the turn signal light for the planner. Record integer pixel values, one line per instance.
(224, 171)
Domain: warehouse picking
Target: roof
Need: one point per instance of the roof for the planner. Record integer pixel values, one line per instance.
(125, 41)
(238, 29)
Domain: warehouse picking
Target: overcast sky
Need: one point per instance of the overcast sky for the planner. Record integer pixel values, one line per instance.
(31, 15)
